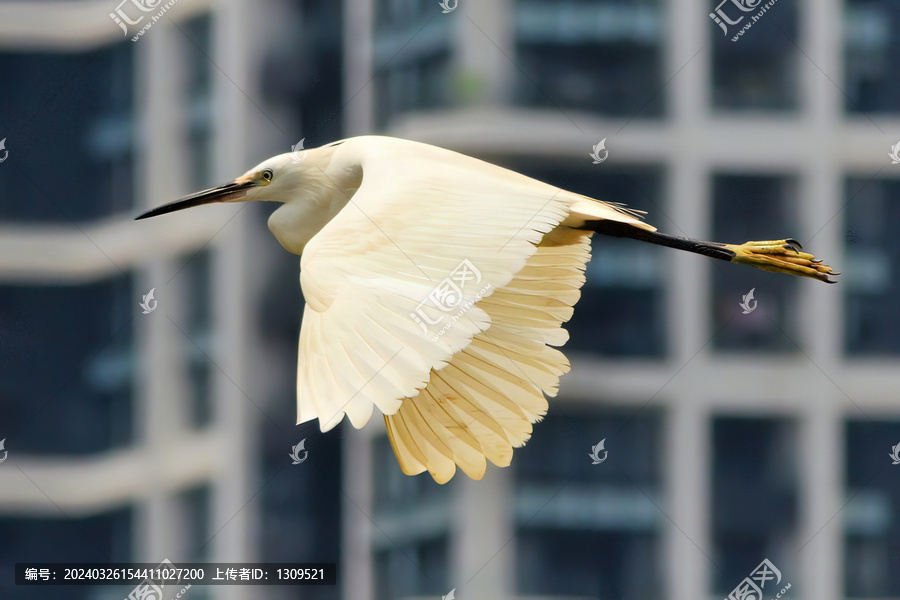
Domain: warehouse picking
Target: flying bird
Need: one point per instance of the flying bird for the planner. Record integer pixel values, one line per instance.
(398, 236)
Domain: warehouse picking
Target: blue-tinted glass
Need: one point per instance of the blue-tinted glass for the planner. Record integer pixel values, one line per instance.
(199, 90)
(559, 448)
(195, 276)
(395, 491)
(872, 280)
(416, 79)
(588, 564)
(604, 57)
(754, 496)
(621, 310)
(411, 59)
(749, 208)
(68, 124)
(300, 515)
(197, 517)
(871, 528)
(103, 538)
(872, 54)
(67, 367)
(412, 570)
(586, 529)
(755, 69)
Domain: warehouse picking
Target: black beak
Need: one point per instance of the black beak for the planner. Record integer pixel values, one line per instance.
(223, 193)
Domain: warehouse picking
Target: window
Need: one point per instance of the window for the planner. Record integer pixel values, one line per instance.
(411, 541)
(392, 489)
(584, 529)
(413, 570)
(759, 70)
(102, 538)
(412, 59)
(68, 124)
(753, 208)
(67, 351)
(196, 508)
(871, 42)
(198, 345)
(199, 92)
(754, 496)
(603, 57)
(621, 312)
(872, 287)
(871, 529)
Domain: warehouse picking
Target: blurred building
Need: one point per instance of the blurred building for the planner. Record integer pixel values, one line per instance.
(147, 426)
(731, 437)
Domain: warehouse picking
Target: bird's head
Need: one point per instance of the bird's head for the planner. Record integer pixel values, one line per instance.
(271, 180)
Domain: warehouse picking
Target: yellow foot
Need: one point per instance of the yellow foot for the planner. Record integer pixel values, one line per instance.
(781, 256)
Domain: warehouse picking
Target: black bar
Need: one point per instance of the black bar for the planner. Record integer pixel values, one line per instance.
(168, 575)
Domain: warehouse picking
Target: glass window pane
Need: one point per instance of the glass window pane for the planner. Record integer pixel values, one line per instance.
(872, 283)
(871, 48)
(67, 367)
(755, 69)
(411, 59)
(754, 497)
(602, 57)
(871, 527)
(753, 208)
(68, 124)
(412, 571)
(585, 529)
(102, 538)
(621, 312)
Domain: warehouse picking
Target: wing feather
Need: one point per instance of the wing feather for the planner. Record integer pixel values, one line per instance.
(495, 388)
(459, 377)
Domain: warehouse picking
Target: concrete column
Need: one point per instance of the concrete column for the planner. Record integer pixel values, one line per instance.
(819, 560)
(687, 545)
(484, 49)
(235, 488)
(357, 576)
(482, 544)
(161, 396)
(359, 90)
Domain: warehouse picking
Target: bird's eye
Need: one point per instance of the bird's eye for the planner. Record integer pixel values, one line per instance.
(267, 175)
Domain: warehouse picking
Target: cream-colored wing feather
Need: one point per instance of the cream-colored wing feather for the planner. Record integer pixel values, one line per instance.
(483, 403)
(427, 230)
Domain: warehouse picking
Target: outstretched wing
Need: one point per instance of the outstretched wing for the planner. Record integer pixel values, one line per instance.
(388, 306)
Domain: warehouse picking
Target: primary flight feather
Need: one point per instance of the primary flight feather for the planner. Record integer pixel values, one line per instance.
(436, 286)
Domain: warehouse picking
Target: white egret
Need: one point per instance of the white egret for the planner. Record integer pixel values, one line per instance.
(436, 285)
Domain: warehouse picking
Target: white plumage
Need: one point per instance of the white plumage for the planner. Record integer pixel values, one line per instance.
(383, 225)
